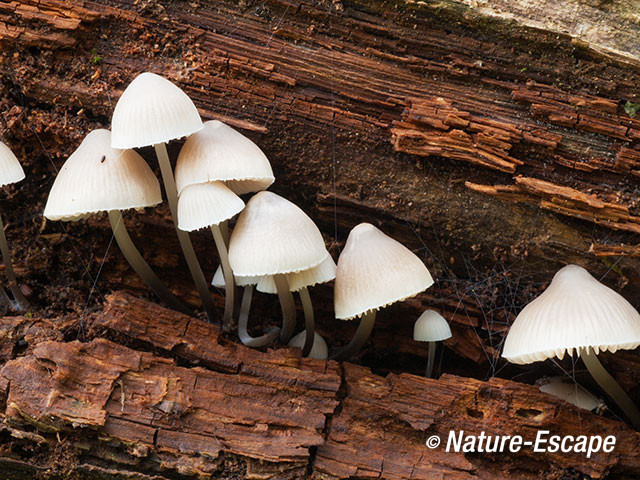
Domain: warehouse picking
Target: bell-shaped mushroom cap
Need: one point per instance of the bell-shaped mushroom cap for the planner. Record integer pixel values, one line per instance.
(218, 279)
(273, 236)
(319, 349)
(10, 168)
(569, 391)
(374, 271)
(574, 312)
(98, 178)
(150, 111)
(205, 204)
(325, 272)
(218, 152)
(431, 327)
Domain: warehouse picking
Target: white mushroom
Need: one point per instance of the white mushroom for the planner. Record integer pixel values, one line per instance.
(431, 327)
(98, 178)
(154, 111)
(576, 313)
(374, 271)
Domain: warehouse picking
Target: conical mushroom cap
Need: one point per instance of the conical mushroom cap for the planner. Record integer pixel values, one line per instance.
(431, 327)
(150, 111)
(205, 204)
(374, 271)
(569, 391)
(10, 168)
(273, 236)
(319, 350)
(574, 312)
(218, 279)
(98, 178)
(325, 272)
(218, 152)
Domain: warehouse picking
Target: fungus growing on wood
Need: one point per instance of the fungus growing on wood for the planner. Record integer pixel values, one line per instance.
(10, 172)
(577, 314)
(431, 327)
(319, 349)
(98, 178)
(274, 237)
(154, 111)
(205, 205)
(220, 153)
(373, 272)
(569, 391)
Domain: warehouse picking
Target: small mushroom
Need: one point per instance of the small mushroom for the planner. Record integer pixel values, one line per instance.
(374, 271)
(220, 153)
(273, 237)
(10, 172)
(319, 349)
(97, 178)
(568, 390)
(576, 313)
(154, 111)
(205, 205)
(431, 327)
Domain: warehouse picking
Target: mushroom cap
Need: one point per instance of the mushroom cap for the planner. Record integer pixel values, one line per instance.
(374, 271)
(86, 184)
(569, 391)
(218, 152)
(152, 110)
(218, 279)
(325, 272)
(431, 327)
(319, 349)
(10, 168)
(574, 312)
(274, 236)
(205, 204)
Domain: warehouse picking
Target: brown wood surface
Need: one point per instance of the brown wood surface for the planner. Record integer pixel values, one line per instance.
(494, 142)
(154, 391)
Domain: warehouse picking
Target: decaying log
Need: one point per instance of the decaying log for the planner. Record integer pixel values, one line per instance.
(200, 405)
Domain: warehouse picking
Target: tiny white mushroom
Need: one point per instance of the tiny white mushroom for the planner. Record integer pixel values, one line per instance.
(431, 327)
(319, 350)
(374, 271)
(98, 178)
(577, 313)
(569, 391)
(151, 112)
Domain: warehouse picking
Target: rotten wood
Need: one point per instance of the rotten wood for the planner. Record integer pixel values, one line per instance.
(266, 414)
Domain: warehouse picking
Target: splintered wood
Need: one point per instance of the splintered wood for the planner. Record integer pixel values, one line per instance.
(183, 409)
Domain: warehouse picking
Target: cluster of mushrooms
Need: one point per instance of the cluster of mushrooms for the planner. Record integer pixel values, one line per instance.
(276, 248)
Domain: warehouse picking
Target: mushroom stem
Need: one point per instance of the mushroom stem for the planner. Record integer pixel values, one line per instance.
(430, 359)
(218, 237)
(245, 338)
(5, 302)
(610, 386)
(224, 228)
(139, 264)
(21, 301)
(183, 237)
(359, 339)
(288, 307)
(309, 321)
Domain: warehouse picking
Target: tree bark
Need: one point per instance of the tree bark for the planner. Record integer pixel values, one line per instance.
(496, 139)
(202, 406)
